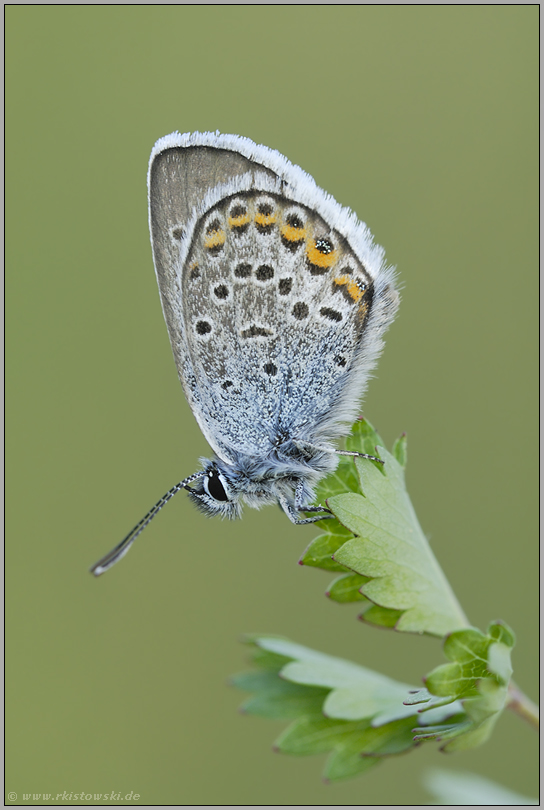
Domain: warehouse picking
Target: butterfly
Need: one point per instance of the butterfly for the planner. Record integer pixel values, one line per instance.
(276, 300)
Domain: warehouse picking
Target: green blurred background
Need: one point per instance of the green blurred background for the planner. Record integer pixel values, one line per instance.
(423, 119)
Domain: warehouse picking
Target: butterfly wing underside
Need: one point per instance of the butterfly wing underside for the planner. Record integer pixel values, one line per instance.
(266, 302)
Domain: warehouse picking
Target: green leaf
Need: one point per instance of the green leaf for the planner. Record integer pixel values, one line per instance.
(367, 748)
(255, 680)
(392, 550)
(347, 761)
(318, 735)
(499, 662)
(363, 438)
(355, 747)
(483, 712)
(263, 657)
(400, 450)
(364, 722)
(479, 674)
(499, 631)
(343, 479)
(277, 698)
(405, 584)
(355, 713)
(346, 589)
(468, 789)
(469, 650)
(319, 553)
(356, 692)
(434, 706)
(380, 616)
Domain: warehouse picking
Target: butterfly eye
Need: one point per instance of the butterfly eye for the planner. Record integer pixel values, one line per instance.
(214, 487)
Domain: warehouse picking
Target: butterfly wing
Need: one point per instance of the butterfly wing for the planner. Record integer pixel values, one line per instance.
(274, 296)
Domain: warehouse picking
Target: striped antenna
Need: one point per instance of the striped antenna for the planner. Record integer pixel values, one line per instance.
(119, 551)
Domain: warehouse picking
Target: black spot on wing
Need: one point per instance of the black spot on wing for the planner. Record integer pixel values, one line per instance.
(300, 310)
(285, 286)
(264, 272)
(256, 331)
(242, 270)
(203, 327)
(221, 291)
(331, 314)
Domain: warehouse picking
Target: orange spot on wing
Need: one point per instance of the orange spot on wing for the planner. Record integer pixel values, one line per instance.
(354, 290)
(293, 234)
(239, 222)
(265, 219)
(214, 239)
(321, 259)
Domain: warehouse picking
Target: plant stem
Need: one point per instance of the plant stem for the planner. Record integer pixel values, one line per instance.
(521, 705)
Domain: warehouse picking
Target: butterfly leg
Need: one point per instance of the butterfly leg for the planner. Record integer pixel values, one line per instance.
(293, 511)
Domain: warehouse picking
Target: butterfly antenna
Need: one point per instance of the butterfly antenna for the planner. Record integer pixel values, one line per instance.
(119, 551)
